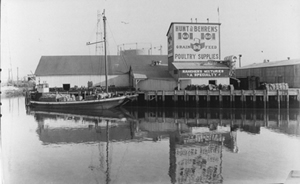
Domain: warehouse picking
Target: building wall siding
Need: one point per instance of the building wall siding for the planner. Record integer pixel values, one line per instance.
(172, 68)
(82, 80)
(203, 81)
(290, 74)
(296, 76)
(157, 84)
(184, 83)
(200, 81)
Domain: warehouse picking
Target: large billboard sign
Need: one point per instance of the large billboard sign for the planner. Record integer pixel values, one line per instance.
(205, 73)
(194, 41)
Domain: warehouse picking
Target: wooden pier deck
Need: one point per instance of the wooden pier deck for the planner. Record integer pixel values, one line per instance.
(219, 98)
(230, 98)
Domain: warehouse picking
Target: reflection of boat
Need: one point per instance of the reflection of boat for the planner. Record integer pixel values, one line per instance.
(115, 114)
(77, 126)
(97, 101)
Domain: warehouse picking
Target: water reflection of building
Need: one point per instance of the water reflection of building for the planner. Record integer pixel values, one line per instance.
(154, 124)
(162, 121)
(183, 127)
(79, 127)
(196, 157)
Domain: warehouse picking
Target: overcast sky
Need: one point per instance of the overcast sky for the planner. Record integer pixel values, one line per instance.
(257, 29)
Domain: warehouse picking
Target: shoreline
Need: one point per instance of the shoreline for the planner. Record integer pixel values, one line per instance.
(11, 91)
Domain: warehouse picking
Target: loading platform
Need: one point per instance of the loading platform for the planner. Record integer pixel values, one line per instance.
(231, 98)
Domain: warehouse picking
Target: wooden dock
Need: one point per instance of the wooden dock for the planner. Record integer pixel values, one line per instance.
(207, 98)
(231, 98)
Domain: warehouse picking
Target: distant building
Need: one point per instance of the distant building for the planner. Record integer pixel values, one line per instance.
(285, 71)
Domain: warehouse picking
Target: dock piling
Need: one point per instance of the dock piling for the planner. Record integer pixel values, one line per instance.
(220, 99)
(207, 99)
(278, 99)
(262, 98)
(242, 98)
(163, 98)
(298, 97)
(197, 97)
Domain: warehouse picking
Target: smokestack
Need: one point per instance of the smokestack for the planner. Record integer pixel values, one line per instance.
(207, 20)
(240, 56)
(191, 20)
(196, 20)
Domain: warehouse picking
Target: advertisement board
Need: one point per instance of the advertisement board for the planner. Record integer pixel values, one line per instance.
(204, 73)
(194, 41)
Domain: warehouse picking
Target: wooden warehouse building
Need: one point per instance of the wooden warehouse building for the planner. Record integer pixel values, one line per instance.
(145, 72)
(285, 71)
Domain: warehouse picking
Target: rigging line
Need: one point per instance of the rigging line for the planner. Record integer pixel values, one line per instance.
(111, 33)
(125, 62)
(117, 44)
(93, 32)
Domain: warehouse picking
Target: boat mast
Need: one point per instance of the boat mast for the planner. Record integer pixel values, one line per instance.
(105, 54)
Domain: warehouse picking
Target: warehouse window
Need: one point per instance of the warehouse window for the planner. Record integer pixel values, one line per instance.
(175, 72)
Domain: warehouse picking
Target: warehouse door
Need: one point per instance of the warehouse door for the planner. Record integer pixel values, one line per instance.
(279, 79)
(66, 87)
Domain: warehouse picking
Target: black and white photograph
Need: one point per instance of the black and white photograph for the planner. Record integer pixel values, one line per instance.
(150, 92)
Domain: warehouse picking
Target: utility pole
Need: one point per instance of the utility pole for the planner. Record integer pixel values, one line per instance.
(240, 58)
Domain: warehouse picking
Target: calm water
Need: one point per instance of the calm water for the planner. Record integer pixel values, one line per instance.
(135, 145)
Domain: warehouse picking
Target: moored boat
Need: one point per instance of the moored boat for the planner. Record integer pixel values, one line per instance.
(97, 101)
(96, 104)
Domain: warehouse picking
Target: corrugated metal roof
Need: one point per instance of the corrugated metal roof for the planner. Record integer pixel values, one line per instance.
(142, 64)
(182, 66)
(139, 76)
(94, 65)
(273, 64)
(79, 65)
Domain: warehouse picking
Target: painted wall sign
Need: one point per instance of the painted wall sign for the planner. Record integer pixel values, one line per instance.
(195, 42)
(204, 73)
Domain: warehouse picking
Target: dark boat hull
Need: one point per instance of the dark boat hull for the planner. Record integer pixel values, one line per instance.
(101, 104)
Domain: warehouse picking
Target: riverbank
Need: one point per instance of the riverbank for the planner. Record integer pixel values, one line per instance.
(11, 91)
